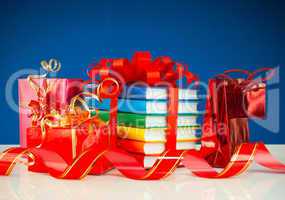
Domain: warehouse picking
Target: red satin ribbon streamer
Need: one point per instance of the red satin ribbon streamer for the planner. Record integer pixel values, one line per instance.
(131, 168)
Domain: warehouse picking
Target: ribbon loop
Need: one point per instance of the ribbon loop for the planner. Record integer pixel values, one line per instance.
(226, 75)
(142, 68)
(52, 66)
(108, 88)
(39, 107)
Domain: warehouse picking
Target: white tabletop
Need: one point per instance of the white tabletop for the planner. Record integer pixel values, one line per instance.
(255, 184)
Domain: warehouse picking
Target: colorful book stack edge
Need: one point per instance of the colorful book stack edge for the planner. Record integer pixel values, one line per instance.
(142, 120)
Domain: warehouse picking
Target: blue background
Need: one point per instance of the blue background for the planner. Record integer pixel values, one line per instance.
(211, 36)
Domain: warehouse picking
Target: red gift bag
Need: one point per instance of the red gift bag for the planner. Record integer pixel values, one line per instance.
(231, 102)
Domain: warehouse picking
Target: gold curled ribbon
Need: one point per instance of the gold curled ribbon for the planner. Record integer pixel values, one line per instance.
(55, 119)
(78, 98)
(52, 66)
(107, 88)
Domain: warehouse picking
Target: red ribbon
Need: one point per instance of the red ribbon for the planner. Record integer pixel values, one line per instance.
(161, 71)
(143, 69)
(131, 168)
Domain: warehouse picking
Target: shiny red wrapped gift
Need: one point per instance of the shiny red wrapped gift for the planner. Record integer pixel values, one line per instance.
(162, 71)
(69, 136)
(47, 122)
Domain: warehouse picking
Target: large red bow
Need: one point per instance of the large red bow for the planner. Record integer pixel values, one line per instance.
(142, 68)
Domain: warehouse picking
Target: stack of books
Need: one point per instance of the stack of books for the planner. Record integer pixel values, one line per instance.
(142, 120)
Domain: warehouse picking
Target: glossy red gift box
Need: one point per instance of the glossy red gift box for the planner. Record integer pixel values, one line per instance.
(68, 143)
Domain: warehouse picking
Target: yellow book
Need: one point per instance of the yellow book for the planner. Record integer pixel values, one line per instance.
(184, 134)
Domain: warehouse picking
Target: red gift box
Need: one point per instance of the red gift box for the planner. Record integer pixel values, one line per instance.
(51, 119)
(69, 142)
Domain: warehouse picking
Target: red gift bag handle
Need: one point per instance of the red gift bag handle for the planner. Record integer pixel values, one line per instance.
(254, 82)
(250, 75)
(242, 71)
(260, 71)
(226, 73)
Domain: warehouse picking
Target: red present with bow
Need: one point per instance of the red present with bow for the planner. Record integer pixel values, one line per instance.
(39, 95)
(51, 119)
(162, 71)
(68, 135)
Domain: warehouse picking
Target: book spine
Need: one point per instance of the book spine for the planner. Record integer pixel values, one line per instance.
(105, 116)
(143, 106)
(133, 120)
(125, 119)
(131, 133)
(94, 104)
(134, 93)
(132, 146)
(124, 105)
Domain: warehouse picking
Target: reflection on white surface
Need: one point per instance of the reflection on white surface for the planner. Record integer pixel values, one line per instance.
(253, 185)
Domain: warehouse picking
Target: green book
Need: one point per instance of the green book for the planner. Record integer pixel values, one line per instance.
(149, 121)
